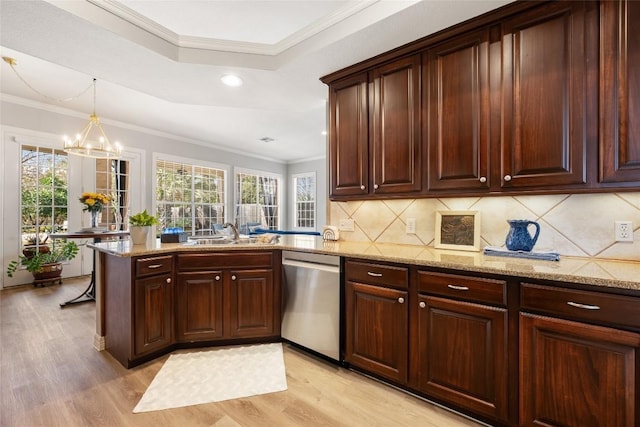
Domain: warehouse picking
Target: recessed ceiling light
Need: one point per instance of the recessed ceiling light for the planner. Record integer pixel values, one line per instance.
(267, 139)
(231, 80)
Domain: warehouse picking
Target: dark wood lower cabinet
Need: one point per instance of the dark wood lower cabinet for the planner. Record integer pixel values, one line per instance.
(377, 330)
(153, 313)
(250, 299)
(576, 374)
(462, 353)
(199, 306)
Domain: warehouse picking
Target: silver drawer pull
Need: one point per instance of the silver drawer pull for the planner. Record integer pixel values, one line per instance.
(152, 266)
(401, 300)
(371, 273)
(583, 306)
(422, 304)
(458, 288)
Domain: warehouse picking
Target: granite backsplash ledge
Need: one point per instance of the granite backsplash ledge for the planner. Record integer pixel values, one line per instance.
(577, 225)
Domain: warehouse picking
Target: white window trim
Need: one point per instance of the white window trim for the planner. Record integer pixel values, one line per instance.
(229, 201)
(294, 201)
(277, 176)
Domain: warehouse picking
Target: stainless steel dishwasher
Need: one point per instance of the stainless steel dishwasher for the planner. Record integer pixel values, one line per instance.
(311, 302)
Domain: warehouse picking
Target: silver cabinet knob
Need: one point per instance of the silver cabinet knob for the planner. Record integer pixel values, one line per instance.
(507, 178)
(362, 187)
(375, 186)
(168, 280)
(401, 300)
(217, 277)
(422, 304)
(233, 277)
(483, 179)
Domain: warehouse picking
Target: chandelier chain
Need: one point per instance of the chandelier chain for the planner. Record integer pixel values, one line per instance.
(12, 62)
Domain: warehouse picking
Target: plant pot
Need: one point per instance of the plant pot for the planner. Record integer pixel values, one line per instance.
(48, 271)
(139, 234)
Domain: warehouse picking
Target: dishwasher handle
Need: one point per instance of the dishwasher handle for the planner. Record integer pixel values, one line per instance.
(311, 265)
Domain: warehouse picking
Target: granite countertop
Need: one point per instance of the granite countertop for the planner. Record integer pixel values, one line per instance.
(586, 271)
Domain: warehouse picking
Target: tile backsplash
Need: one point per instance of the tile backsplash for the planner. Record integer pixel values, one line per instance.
(573, 225)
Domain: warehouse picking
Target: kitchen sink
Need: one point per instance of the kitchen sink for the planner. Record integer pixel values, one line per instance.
(218, 240)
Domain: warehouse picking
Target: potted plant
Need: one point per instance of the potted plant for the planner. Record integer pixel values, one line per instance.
(140, 224)
(45, 265)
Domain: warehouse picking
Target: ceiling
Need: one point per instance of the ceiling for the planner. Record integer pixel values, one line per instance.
(159, 63)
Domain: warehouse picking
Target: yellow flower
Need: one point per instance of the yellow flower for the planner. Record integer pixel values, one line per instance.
(90, 202)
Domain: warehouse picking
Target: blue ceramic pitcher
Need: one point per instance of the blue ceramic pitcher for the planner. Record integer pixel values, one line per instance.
(519, 238)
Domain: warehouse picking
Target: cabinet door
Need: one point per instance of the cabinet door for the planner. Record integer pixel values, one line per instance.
(199, 306)
(397, 158)
(574, 374)
(463, 354)
(376, 330)
(544, 117)
(251, 304)
(349, 136)
(619, 92)
(456, 97)
(153, 313)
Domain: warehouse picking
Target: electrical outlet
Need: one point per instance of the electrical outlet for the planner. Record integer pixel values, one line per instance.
(346, 225)
(411, 226)
(624, 231)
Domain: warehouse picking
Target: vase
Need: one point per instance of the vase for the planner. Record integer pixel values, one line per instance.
(139, 234)
(95, 216)
(519, 238)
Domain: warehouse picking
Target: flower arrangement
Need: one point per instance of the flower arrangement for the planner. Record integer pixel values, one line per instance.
(94, 202)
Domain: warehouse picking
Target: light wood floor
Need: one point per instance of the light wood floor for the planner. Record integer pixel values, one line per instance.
(50, 375)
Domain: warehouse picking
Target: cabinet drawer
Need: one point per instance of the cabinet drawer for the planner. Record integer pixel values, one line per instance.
(215, 261)
(386, 275)
(154, 265)
(491, 291)
(596, 307)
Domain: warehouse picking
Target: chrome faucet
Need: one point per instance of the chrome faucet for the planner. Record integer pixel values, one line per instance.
(236, 235)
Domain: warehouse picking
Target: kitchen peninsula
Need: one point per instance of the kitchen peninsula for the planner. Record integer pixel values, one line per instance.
(517, 323)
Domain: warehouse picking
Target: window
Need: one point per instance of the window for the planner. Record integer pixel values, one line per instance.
(257, 201)
(304, 215)
(189, 196)
(44, 194)
(112, 178)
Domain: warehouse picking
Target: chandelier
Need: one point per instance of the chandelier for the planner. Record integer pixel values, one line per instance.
(92, 141)
(85, 146)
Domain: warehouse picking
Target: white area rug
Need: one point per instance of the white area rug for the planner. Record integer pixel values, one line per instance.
(216, 375)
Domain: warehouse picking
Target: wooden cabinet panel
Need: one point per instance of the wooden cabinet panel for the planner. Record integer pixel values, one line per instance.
(349, 136)
(573, 374)
(154, 265)
(251, 299)
(463, 354)
(456, 102)
(619, 92)
(397, 151)
(199, 312)
(377, 330)
(544, 118)
(153, 313)
(490, 291)
(377, 274)
(594, 307)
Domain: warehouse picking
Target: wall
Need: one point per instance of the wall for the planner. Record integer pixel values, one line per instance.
(319, 166)
(573, 225)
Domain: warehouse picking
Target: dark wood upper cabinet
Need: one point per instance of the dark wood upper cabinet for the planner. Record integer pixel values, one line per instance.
(532, 98)
(456, 106)
(397, 152)
(349, 136)
(544, 97)
(619, 93)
